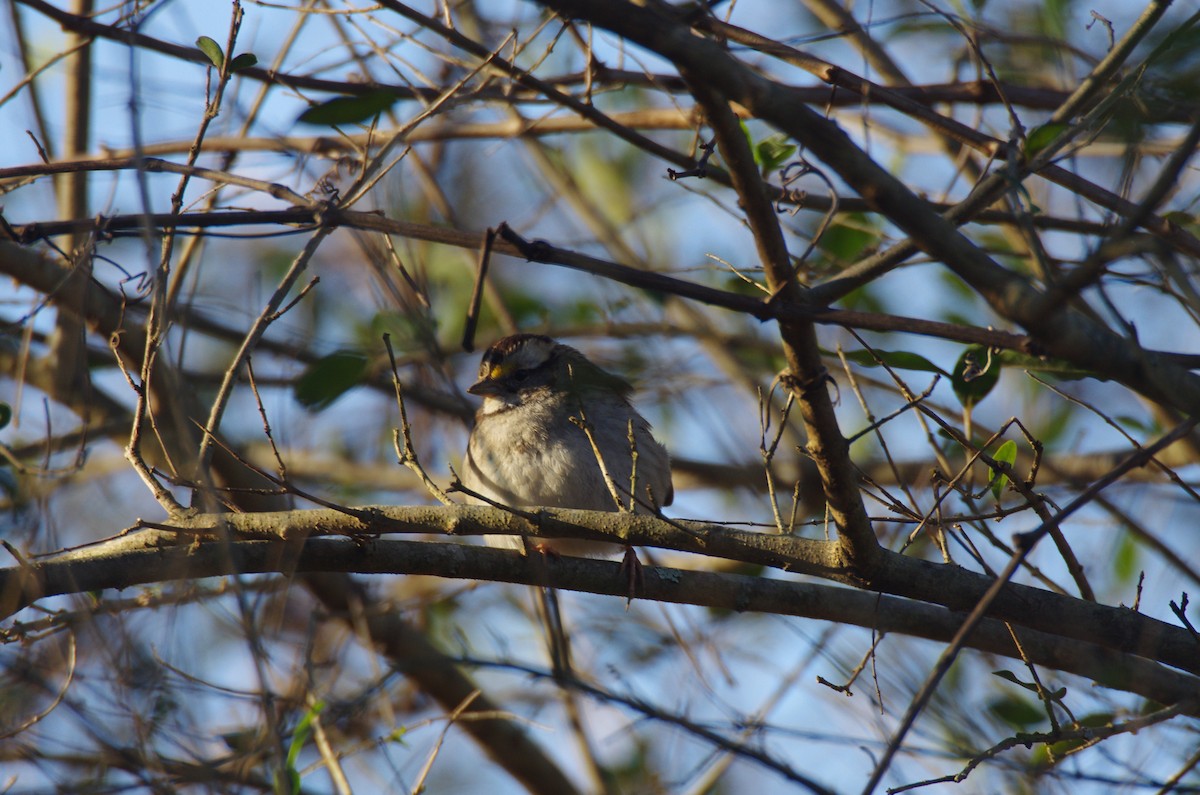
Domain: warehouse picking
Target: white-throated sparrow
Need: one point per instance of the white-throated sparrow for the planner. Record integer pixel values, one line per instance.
(530, 445)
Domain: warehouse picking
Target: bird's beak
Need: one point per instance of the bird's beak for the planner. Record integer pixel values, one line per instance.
(485, 387)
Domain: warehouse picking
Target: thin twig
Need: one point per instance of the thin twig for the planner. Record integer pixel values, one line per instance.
(407, 455)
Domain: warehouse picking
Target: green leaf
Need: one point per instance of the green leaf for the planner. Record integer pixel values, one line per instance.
(1184, 221)
(1052, 753)
(212, 50)
(5, 414)
(1010, 676)
(299, 740)
(329, 378)
(749, 137)
(1054, 695)
(1059, 368)
(772, 152)
(656, 296)
(241, 741)
(1047, 755)
(736, 284)
(1097, 720)
(242, 61)
(900, 360)
(1131, 423)
(975, 374)
(1018, 712)
(292, 782)
(864, 299)
(1007, 454)
(1041, 137)
(1125, 560)
(303, 732)
(349, 110)
(849, 237)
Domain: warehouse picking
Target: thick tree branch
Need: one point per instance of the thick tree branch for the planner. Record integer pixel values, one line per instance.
(809, 381)
(949, 586)
(106, 567)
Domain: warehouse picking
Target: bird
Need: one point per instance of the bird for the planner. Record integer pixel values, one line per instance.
(557, 431)
(551, 426)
